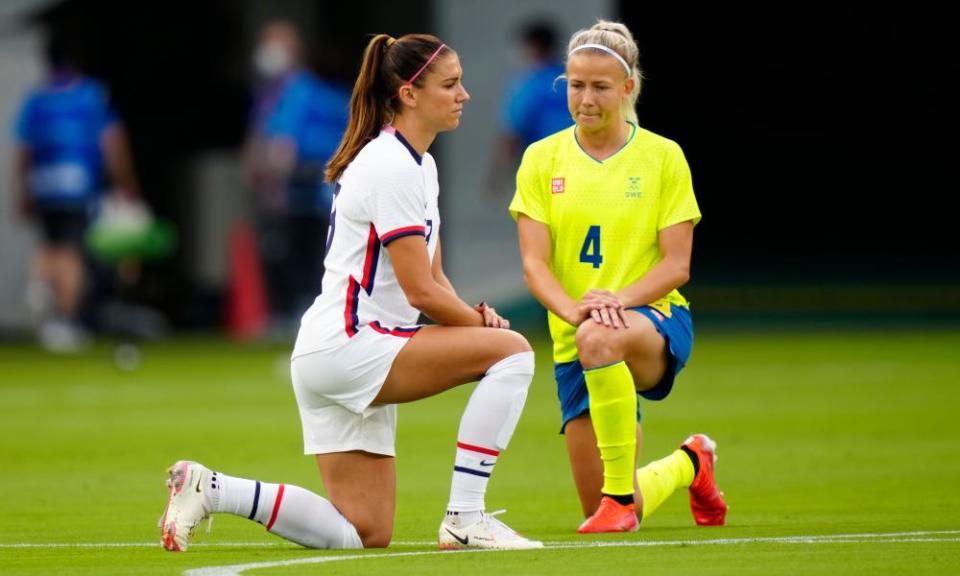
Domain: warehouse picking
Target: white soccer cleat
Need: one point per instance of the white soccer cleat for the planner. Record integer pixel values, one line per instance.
(487, 533)
(186, 505)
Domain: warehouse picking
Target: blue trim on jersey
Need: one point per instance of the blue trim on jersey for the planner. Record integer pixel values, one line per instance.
(367, 279)
(402, 332)
(354, 307)
(393, 237)
(333, 219)
(375, 257)
(413, 152)
(677, 331)
(256, 501)
(619, 150)
(471, 471)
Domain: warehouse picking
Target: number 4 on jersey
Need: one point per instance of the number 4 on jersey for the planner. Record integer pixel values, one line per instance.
(590, 252)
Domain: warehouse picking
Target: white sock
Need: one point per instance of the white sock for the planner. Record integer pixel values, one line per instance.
(286, 510)
(485, 429)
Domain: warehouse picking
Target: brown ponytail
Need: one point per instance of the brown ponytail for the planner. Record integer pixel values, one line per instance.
(387, 65)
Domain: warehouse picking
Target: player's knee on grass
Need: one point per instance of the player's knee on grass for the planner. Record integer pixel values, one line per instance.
(375, 536)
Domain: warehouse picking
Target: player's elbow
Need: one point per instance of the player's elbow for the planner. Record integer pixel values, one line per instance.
(532, 271)
(416, 300)
(682, 274)
(419, 296)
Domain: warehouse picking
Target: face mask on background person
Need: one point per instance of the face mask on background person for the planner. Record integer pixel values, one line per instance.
(272, 60)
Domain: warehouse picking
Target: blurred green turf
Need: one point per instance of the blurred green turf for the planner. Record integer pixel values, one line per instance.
(819, 433)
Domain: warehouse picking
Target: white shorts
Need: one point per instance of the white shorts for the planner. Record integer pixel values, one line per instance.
(334, 389)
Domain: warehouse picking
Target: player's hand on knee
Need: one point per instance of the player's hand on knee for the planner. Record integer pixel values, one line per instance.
(490, 317)
(604, 307)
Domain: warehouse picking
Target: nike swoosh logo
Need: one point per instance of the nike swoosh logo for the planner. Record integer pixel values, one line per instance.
(485, 463)
(465, 540)
(199, 482)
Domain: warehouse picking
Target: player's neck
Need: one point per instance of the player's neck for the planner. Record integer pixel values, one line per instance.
(602, 144)
(419, 137)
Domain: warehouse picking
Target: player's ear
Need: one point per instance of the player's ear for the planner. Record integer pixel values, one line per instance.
(407, 96)
(628, 86)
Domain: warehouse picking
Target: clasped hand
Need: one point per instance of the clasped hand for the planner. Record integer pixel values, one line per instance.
(604, 307)
(490, 317)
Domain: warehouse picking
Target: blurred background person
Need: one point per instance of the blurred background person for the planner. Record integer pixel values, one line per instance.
(296, 124)
(70, 145)
(534, 105)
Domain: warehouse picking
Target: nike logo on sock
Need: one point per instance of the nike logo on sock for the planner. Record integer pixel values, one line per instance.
(465, 540)
(485, 463)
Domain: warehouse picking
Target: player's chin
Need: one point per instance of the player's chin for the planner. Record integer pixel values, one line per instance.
(588, 121)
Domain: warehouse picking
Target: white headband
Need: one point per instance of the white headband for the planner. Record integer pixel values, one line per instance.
(613, 53)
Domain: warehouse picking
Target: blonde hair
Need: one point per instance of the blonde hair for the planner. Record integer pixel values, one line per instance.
(618, 38)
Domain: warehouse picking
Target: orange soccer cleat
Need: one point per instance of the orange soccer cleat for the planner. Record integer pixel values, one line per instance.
(706, 500)
(611, 516)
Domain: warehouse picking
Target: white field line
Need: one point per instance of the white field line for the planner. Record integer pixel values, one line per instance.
(264, 544)
(131, 544)
(914, 536)
(893, 537)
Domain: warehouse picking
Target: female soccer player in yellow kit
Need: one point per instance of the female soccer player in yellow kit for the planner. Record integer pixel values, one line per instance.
(606, 211)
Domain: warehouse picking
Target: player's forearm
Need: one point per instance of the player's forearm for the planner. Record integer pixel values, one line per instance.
(663, 278)
(442, 305)
(443, 281)
(548, 291)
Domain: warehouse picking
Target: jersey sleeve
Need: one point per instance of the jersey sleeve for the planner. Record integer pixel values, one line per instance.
(529, 199)
(677, 201)
(398, 205)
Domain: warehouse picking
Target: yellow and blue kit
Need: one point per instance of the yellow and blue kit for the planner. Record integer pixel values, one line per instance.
(604, 219)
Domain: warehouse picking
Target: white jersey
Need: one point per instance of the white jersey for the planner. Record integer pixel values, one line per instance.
(387, 192)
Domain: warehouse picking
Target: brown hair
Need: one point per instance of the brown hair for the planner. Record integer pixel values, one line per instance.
(388, 64)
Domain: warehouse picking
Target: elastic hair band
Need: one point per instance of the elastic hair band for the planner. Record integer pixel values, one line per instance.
(425, 64)
(603, 48)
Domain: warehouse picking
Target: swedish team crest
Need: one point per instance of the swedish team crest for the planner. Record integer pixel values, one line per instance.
(633, 187)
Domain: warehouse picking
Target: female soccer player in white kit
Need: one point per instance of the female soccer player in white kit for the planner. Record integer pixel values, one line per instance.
(359, 351)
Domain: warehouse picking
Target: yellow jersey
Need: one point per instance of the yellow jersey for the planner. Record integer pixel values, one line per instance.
(604, 216)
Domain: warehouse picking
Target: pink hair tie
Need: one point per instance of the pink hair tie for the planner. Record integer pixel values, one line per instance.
(424, 67)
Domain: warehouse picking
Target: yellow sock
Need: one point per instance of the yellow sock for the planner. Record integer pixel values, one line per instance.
(613, 410)
(658, 479)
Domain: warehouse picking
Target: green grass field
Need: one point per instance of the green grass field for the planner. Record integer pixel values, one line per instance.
(838, 453)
